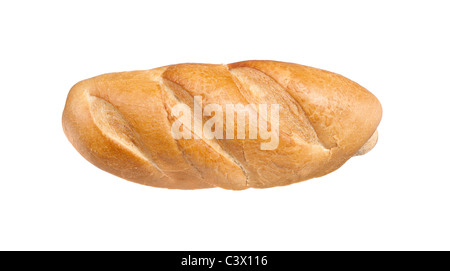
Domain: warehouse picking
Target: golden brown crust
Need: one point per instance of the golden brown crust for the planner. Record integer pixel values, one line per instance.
(121, 123)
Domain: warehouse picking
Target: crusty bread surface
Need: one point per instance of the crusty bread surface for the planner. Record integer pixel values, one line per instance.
(122, 123)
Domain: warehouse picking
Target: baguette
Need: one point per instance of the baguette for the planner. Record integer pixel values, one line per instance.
(127, 123)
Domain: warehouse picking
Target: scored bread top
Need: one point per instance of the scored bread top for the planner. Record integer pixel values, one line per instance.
(121, 122)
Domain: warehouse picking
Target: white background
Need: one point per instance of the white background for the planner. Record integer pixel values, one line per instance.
(395, 197)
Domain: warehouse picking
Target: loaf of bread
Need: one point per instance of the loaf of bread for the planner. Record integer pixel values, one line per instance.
(130, 124)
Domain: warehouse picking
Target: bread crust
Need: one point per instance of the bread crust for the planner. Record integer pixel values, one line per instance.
(121, 123)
